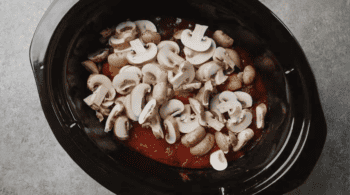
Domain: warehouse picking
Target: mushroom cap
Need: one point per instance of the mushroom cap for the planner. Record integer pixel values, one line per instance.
(222, 141)
(248, 74)
(204, 93)
(138, 95)
(234, 56)
(261, 110)
(117, 109)
(227, 96)
(204, 146)
(122, 127)
(213, 107)
(90, 66)
(96, 80)
(172, 129)
(172, 107)
(144, 25)
(207, 71)
(171, 45)
(148, 111)
(125, 26)
(243, 137)
(124, 83)
(99, 55)
(222, 39)
(159, 92)
(150, 37)
(245, 121)
(218, 160)
(192, 138)
(129, 68)
(220, 78)
(117, 59)
(195, 39)
(153, 74)
(187, 122)
(198, 108)
(142, 54)
(128, 108)
(245, 99)
(197, 58)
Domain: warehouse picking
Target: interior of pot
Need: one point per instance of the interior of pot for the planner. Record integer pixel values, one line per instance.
(78, 35)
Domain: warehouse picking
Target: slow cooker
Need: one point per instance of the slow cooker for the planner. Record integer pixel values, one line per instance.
(278, 162)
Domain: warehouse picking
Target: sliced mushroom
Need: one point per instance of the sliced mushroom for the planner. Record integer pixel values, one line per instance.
(142, 54)
(122, 41)
(195, 39)
(148, 111)
(128, 108)
(227, 96)
(245, 99)
(223, 57)
(100, 116)
(168, 56)
(187, 122)
(213, 122)
(159, 92)
(172, 129)
(144, 25)
(133, 69)
(149, 117)
(204, 93)
(185, 75)
(125, 27)
(208, 70)
(138, 96)
(213, 106)
(222, 39)
(261, 110)
(223, 141)
(248, 75)
(220, 78)
(243, 122)
(198, 58)
(122, 127)
(96, 80)
(194, 137)
(90, 66)
(233, 108)
(117, 60)
(99, 55)
(104, 111)
(190, 86)
(198, 108)
(204, 146)
(117, 109)
(107, 103)
(218, 160)
(234, 83)
(125, 83)
(243, 137)
(235, 57)
(172, 107)
(150, 37)
(153, 74)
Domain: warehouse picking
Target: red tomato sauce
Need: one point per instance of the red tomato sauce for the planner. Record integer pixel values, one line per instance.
(143, 141)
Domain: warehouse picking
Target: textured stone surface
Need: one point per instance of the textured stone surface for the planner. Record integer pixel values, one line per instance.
(32, 161)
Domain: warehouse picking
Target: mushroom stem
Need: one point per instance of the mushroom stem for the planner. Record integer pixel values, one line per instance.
(198, 32)
(122, 127)
(243, 137)
(212, 122)
(185, 75)
(117, 109)
(204, 93)
(137, 46)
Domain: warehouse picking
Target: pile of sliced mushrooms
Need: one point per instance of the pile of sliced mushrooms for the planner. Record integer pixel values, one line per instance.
(149, 71)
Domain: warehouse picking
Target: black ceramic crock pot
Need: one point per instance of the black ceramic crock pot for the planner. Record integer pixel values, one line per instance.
(69, 31)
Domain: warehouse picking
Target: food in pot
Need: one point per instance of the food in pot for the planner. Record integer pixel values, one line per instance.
(186, 99)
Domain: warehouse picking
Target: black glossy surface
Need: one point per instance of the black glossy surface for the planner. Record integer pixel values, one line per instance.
(63, 106)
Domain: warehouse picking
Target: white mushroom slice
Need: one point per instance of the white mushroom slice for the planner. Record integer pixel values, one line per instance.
(245, 99)
(212, 122)
(172, 129)
(190, 86)
(125, 83)
(121, 40)
(204, 93)
(218, 160)
(117, 109)
(185, 75)
(156, 127)
(99, 55)
(144, 25)
(226, 96)
(261, 110)
(133, 69)
(233, 108)
(198, 108)
(107, 104)
(248, 75)
(138, 96)
(194, 137)
(104, 111)
(223, 57)
(152, 120)
(172, 107)
(222, 38)
(141, 55)
(96, 80)
(243, 137)
(128, 108)
(213, 106)
(187, 122)
(153, 74)
(196, 40)
(150, 37)
(98, 96)
(148, 111)
(100, 116)
(121, 99)
(204, 146)
(90, 66)
(125, 26)
(159, 92)
(207, 71)
(168, 56)
(122, 127)
(223, 141)
(245, 121)
(235, 57)
(220, 78)
(124, 51)
(198, 58)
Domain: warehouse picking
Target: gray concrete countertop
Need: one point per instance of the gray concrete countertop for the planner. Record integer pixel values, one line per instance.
(33, 162)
